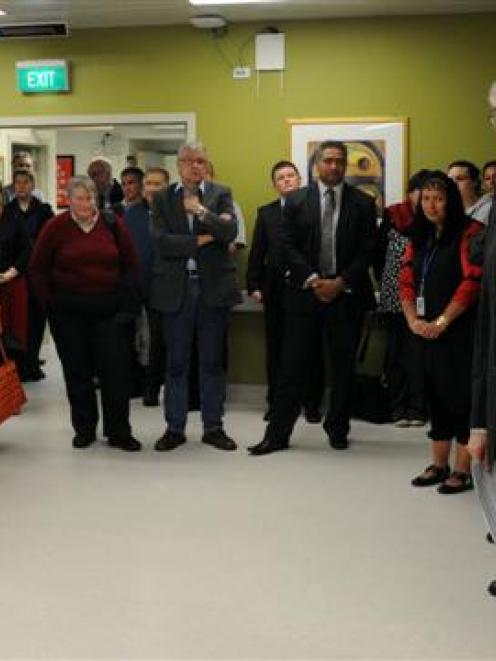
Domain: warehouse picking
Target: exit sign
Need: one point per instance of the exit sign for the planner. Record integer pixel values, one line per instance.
(42, 76)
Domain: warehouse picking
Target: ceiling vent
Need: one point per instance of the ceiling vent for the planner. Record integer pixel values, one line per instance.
(33, 30)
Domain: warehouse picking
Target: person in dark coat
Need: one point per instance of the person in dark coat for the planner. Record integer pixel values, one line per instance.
(439, 287)
(266, 284)
(32, 214)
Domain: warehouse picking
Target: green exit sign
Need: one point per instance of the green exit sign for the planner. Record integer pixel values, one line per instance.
(42, 76)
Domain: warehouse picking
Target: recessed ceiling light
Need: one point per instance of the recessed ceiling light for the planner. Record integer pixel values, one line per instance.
(203, 3)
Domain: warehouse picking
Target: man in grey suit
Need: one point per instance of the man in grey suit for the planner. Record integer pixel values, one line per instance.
(194, 285)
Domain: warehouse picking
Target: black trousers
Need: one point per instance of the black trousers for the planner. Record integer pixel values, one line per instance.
(275, 325)
(89, 345)
(404, 370)
(154, 372)
(336, 326)
(29, 360)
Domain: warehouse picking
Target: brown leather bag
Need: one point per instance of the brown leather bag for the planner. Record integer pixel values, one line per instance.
(12, 395)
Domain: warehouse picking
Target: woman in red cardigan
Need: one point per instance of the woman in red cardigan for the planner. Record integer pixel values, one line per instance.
(76, 270)
(438, 291)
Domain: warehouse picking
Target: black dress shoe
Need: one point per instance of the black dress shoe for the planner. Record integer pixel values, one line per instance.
(491, 588)
(489, 538)
(80, 441)
(170, 440)
(313, 415)
(267, 446)
(128, 444)
(267, 415)
(219, 439)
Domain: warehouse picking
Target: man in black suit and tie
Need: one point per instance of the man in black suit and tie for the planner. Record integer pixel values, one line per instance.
(329, 235)
(194, 284)
(265, 278)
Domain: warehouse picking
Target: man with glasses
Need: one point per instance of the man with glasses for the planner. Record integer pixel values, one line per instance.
(194, 285)
(329, 235)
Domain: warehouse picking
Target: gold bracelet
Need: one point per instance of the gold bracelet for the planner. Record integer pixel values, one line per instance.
(441, 321)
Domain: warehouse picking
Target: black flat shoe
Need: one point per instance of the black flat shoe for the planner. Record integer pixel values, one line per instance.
(489, 538)
(128, 444)
(437, 474)
(491, 588)
(338, 442)
(170, 440)
(79, 441)
(465, 483)
(267, 446)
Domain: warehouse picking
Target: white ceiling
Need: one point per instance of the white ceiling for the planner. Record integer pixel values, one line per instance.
(113, 13)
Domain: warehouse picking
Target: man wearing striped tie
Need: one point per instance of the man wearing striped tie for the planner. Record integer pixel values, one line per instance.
(329, 236)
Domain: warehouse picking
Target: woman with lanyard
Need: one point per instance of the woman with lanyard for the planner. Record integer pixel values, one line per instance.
(439, 287)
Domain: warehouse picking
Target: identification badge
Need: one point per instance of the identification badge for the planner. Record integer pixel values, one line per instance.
(420, 306)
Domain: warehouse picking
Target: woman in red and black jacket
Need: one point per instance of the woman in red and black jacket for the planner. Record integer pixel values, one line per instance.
(439, 287)
(77, 269)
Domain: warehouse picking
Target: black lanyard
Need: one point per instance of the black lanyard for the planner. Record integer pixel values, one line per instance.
(428, 257)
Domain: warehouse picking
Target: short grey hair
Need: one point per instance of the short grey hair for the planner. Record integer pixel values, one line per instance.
(191, 146)
(81, 181)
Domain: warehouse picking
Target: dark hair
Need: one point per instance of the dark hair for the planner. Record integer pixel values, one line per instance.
(133, 172)
(162, 171)
(280, 165)
(489, 164)
(331, 144)
(473, 172)
(416, 181)
(423, 231)
(23, 173)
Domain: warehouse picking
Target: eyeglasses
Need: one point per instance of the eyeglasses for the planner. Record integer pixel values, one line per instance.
(193, 161)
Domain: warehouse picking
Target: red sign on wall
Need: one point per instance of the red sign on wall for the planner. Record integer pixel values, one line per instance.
(65, 170)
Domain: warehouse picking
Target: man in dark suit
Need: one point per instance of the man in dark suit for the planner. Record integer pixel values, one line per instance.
(194, 284)
(329, 234)
(265, 278)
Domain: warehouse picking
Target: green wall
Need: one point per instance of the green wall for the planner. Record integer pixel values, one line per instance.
(434, 70)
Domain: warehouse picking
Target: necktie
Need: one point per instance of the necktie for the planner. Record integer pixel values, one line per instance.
(327, 235)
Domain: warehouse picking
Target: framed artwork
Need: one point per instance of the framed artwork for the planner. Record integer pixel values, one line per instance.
(377, 153)
(65, 170)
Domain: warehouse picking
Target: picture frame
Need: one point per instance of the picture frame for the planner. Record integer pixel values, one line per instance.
(65, 170)
(377, 152)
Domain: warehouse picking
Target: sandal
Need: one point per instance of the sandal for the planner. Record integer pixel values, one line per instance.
(465, 483)
(431, 475)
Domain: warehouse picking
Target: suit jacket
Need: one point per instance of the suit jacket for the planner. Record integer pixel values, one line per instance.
(484, 358)
(266, 265)
(355, 241)
(175, 243)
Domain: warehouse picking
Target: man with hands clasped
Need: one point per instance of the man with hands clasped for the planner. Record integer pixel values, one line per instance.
(329, 239)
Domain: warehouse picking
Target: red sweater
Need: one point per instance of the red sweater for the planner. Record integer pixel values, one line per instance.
(64, 257)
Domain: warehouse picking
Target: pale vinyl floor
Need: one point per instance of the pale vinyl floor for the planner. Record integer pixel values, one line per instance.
(200, 554)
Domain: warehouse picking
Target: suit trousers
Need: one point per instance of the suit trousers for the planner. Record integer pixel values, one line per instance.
(154, 371)
(275, 324)
(210, 325)
(89, 345)
(337, 326)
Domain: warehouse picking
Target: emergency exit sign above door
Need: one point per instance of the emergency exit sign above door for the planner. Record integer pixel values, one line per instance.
(43, 76)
